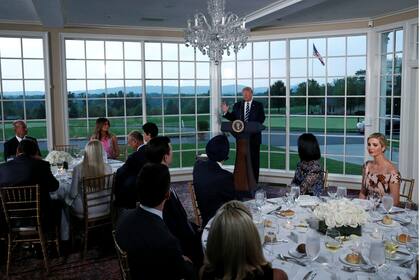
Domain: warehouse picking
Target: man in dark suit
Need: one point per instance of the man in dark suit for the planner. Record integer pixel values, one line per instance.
(159, 150)
(125, 182)
(10, 146)
(150, 131)
(29, 169)
(213, 185)
(153, 252)
(248, 110)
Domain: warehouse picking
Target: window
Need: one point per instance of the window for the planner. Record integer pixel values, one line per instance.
(326, 100)
(390, 90)
(22, 84)
(106, 78)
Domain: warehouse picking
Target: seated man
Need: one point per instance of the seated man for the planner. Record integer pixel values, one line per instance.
(150, 131)
(212, 184)
(11, 145)
(29, 169)
(153, 252)
(125, 181)
(159, 150)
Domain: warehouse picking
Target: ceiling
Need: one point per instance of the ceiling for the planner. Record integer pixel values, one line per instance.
(174, 13)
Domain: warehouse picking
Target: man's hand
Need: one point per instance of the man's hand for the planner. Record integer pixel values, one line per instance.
(187, 259)
(224, 107)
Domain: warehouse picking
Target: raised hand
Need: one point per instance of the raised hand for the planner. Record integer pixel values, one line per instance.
(224, 107)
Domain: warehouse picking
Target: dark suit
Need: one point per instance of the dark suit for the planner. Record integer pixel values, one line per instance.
(213, 187)
(256, 114)
(24, 170)
(125, 182)
(153, 252)
(10, 147)
(177, 221)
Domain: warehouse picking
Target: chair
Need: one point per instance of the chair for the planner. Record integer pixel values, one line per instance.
(97, 192)
(123, 152)
(22, 211)
(198, 220)
(325, 179)
(66, 148)
(122, 260)
(406, 189)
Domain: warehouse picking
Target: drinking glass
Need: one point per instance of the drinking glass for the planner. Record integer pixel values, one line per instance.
(332, 191)
(377, 254)
(387, 202)
(413, 247)
(313, 246)
(260, 197)
(341, 192)
(407, 208)
(295, 191)
(332, 239)
(60, 167)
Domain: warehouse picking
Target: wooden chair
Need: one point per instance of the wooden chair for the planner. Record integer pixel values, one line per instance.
(22, 211)
(122, 260)
(325, 179)
(66, 148)
(97, 192)
(198, 220)
(406, 189)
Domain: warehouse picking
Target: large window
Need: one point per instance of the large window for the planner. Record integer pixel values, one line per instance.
(22, 79)
(390, 92)
(325, 98)
(115, 79)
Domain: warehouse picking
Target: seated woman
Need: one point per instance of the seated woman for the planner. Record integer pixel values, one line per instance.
(92, 166)
(234, 248)
(108, 140)
(309, 174)
(379, 175)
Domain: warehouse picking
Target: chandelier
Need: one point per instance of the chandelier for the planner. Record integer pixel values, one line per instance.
(218, 35)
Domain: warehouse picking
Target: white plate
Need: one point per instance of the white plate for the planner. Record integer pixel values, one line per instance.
(394, 238)
(292, 252)
(394, 224)
(343, 260)
(284, 217)
(397, 257)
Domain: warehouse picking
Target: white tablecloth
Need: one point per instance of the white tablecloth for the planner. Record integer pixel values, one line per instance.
(63, 194)
(389, 271)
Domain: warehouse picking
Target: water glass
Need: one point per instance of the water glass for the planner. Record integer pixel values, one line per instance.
(60, 167)
(332, 191)
(387, 202)
(260, 197)
(332, 239)
(377, 253)
(313, 246)
(260, 228)
(341, 192)
(295, 191)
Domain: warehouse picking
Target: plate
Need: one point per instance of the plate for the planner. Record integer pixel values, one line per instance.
(394, 238)
(394, 224)
(396, 257)
(343, 260)
(285, 217)
(292, 252)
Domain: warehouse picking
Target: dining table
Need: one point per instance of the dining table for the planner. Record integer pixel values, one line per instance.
(64, 178)
(291, 231)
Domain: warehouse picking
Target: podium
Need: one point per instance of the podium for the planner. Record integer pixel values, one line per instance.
(243, 174)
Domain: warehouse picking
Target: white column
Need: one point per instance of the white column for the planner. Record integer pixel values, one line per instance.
(215, 98)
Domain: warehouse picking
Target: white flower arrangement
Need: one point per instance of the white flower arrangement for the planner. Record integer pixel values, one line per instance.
(343, 212)
(55, 157)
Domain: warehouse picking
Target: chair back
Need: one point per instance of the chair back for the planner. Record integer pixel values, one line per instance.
(123, 152)
(66, 148)
(406, 189)
(197, 214)
(21, 206)
(325, 178)
(98, 193)
(122, 260)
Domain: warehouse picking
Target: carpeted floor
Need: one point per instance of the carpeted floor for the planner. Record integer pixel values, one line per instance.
(101, 261)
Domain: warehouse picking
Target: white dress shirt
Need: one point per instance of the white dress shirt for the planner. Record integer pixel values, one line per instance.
(152, 210)
(250, 104)
(19, 139)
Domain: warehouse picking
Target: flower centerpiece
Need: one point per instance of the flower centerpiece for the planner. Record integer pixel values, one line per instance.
(344, 215)
(55, 157)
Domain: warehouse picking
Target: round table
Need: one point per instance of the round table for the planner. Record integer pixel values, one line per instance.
(290, 238)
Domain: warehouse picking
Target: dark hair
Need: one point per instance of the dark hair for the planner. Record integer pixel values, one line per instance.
(157, 148)
(27, 147)
(150, 129)
(98, 129)
(152, 184)
(308, 147)
(136, 135)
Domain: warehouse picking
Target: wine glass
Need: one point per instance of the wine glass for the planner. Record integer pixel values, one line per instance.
(313, 246)
(260, 197)
(332, 192)
(341, 192)
(387, 202)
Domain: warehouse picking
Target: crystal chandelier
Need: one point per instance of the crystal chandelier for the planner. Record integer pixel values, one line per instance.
(219, 35)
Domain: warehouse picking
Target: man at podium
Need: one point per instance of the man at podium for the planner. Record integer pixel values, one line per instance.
(248, 110)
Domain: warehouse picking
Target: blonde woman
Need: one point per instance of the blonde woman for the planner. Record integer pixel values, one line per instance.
(108, 140)
(92, 166)
(234, 250)
(379, 175)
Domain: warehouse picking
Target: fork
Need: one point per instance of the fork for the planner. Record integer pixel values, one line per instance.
(370, 269)
(287, 258)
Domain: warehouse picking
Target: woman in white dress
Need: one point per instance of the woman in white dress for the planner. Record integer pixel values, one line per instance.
(93, 165)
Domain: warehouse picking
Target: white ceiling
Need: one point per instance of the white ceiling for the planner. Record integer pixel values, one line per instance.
(174, 13)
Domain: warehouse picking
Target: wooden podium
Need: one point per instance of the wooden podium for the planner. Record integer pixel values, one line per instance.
(243, 173)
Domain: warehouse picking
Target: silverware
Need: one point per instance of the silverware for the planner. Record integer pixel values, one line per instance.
(272, 211)
(397, 212)
(407, 263)
(296, 261)
(271, 202)
(370, 269)
(307, 275)
(403, 253)
(313, 276)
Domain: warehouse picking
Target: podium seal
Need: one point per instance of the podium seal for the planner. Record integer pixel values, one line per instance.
(238, 126)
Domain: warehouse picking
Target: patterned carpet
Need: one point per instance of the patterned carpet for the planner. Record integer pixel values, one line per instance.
(101, 261)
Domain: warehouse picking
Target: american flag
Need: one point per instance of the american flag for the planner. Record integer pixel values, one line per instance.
(316, 54)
